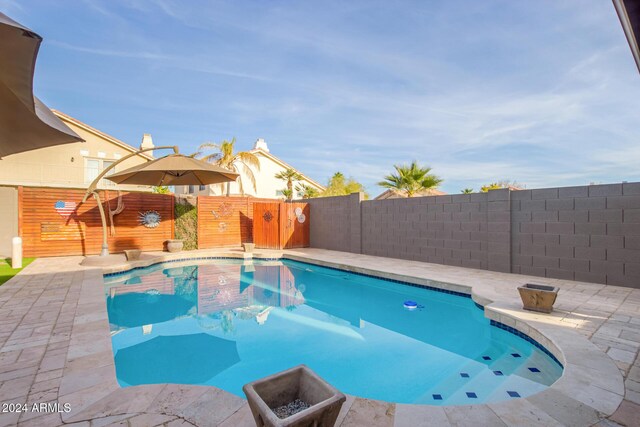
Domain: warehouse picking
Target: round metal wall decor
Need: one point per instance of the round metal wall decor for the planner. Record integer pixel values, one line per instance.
(150, 219)
(222, 227)
(225, 210)
(302, 218)
(298, 211)
(267, 216)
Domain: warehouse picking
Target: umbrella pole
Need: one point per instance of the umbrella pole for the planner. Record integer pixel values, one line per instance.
(93, 190)
(105, 245)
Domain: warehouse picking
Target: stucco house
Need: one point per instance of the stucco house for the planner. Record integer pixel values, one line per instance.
(267, 185)
(72, 165)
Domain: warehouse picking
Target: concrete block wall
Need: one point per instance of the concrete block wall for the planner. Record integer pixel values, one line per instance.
(335, 223)
(449, 229)
(586, 233)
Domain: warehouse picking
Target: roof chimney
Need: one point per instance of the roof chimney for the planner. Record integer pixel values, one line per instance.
(147, 142)
(261, 144)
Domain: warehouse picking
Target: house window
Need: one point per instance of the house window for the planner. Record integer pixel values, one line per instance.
(93, 168)
(192, 189)
(203, 187)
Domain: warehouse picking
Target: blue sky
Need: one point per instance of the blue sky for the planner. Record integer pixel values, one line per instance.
(542, 92)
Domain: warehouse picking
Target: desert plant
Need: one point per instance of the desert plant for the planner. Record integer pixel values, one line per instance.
(338, 185)
(226, 157)
(289, 176)
(288, 194)
(306, 191)
(161, 189)
(501, 184)
(410, 180)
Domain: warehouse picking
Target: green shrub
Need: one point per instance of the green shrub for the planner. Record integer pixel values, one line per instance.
(186, 227)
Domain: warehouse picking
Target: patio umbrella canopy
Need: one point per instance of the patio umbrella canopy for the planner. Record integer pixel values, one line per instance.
(25, 122)
(174, 169)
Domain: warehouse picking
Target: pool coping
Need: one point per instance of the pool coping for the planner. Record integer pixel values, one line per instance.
(591, 385)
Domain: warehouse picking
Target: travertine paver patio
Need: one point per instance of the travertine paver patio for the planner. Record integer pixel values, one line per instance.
(55, 347)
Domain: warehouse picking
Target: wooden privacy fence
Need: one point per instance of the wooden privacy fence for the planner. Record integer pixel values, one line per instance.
(225, 221)
(231, 221)
(54, 222)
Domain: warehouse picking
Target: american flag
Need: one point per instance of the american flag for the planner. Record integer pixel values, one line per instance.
(65, 209)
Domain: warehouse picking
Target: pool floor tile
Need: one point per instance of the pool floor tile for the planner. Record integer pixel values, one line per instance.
(472, 395)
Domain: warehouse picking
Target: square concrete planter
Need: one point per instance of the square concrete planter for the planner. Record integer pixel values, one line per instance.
(175, 245)
(300, 382)
(132, 254)
(538, 297)
(248, 247)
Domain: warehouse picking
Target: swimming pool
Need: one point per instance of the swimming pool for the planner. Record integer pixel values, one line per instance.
(225, 324)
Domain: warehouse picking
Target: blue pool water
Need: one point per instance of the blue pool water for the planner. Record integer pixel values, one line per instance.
(225, 324)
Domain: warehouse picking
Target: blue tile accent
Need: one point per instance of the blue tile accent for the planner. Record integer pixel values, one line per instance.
(498, 373)
(481, 307)
(486, 358)
(526, 338)
(472, 395)
(513, 393)
(536, 370)
(515, 355)
(437, 397)
(464, 375)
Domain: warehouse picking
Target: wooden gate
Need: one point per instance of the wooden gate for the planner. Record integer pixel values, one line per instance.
(294, 225)
(281, 225)
(266, 229)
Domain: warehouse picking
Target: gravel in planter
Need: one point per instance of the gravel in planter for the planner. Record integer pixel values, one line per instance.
(291, 408)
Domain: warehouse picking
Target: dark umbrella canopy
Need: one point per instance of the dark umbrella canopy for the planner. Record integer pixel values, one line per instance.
(124, 312)
(25, 122)
(177, 359)
(174, 169)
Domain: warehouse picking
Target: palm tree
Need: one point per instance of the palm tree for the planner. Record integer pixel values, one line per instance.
(307, 191)
(467, 191)
(289, 175)
(288, 194)
(410, 180)
(226, 158)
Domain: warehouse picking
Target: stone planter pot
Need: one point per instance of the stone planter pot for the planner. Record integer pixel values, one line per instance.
(300, 382)
(175, 245)
(248, 247)
(538, 297)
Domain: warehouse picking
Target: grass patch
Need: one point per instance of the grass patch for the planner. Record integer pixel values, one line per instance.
(6, 272)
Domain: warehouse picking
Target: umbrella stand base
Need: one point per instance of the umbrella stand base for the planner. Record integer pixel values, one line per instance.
(104, 261)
